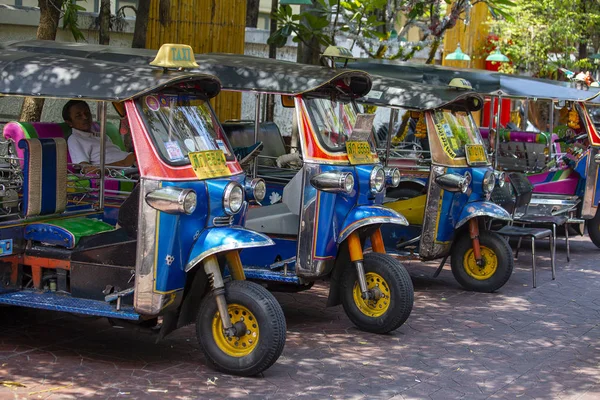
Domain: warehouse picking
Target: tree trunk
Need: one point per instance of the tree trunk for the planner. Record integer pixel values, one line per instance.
(252, 7)
(311, 53)
(583, 53)
(49, 16)
(104, 17)
(141, 24)
(433, 49)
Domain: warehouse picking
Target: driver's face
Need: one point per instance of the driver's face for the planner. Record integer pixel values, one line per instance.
(81, 117)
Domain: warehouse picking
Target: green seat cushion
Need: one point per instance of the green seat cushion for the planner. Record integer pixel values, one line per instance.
(65, 232)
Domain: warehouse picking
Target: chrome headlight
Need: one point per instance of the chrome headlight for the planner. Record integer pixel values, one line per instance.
(500, 178)
(377, 180)
(489, 181)
(466, 182)
(349, 183)
(392, 177)
(256, 190)
(173, 200)
(233, 198)
(333, 182)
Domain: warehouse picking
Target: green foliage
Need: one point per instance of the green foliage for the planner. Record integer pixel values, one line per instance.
(547, 34)
(70, 9)
(370, 23)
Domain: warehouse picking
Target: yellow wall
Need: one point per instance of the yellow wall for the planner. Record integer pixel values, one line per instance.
(207, 26)
(470, 38)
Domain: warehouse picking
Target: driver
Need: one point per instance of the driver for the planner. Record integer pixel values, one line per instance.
(84, 143)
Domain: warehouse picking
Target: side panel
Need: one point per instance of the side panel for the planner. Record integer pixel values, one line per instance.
(591, 196)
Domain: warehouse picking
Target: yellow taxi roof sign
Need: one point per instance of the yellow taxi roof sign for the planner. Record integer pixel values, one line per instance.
(175, 56)
(460, 83)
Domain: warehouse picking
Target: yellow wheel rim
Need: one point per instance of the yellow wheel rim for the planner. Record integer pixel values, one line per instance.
(373, 308)
(485, 271)
(236, 346)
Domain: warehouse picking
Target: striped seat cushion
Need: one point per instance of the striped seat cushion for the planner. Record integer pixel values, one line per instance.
(44, 176)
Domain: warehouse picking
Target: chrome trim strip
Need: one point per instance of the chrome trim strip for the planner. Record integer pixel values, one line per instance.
(371, 221)
(226, 247)
(481, 213)
(145, 300)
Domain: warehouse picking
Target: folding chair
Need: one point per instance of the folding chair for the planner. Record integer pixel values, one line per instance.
(503, 197)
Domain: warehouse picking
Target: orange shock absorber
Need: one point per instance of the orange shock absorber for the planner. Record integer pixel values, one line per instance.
(355, 248)
(474, 233)
(235, 265)
(377, 242)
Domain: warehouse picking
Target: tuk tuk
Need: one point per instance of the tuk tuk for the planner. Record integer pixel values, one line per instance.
(175, 258)
(531, 126)
(331, 196)
(446, 181)
(324, 194)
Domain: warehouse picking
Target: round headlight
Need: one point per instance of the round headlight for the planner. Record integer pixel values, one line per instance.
(500, 178)
(189, 202)
(233, 198)
(489, 181)
(392, 177)
(465, 182)
(349, 183)
(260, 190)
(377, 180)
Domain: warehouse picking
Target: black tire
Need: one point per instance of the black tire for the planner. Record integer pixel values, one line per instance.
(492, 244)
(593, 228)
(399, 287)
(270, 327)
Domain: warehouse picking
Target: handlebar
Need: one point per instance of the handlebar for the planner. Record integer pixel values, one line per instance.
(572, 140)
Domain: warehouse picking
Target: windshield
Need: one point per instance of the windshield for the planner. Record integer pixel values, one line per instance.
(456, 129)
(333, 122)
(180, 125)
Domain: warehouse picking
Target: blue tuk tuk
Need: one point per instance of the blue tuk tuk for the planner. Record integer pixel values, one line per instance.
(174, 259)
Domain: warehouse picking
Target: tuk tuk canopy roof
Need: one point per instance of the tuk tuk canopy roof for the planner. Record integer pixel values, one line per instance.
(400, 93)
(236, 72)
(38, 74)
(485, 82)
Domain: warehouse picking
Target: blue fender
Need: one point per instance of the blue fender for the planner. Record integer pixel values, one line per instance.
(217, 240)
(369, 215)
(480, 209)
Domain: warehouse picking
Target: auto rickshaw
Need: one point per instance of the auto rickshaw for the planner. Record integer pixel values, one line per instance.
(446, 181)
(323, 205)
(526, 140)
(332, 203)
(182, 266)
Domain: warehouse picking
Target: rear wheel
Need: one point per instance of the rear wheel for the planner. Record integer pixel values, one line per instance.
(593, 226)
(497, 263)
(257, 316)
(395, 303)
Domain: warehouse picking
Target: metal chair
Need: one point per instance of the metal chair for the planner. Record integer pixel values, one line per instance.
(502, 196)
(523, 187)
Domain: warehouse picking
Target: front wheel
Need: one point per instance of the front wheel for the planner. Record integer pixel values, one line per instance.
(396, 291)
(263, 337)
(497, 263)
(593, 227)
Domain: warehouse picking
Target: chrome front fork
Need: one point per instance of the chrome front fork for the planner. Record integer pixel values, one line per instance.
(356, 256)
(211, 267)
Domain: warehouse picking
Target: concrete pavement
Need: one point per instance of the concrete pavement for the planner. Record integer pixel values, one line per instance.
(520, 343)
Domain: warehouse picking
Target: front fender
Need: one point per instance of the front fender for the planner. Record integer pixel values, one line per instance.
(480, 209)
(217, 240)
(369, 215)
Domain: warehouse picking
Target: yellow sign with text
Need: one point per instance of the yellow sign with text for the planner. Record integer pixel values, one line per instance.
(209, 164)
(475, 154)
(359, 152)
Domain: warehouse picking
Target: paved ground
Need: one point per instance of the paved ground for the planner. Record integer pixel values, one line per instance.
(520, 343)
